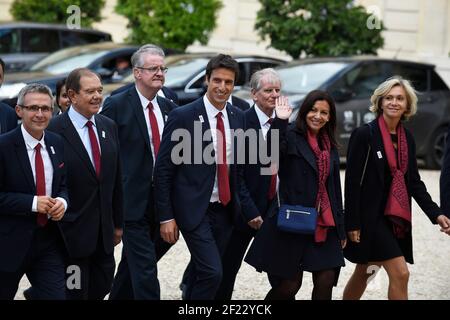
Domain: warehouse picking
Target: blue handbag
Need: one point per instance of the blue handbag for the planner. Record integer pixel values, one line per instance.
(297, 219)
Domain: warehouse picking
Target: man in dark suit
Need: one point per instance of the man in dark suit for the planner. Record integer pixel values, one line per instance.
(95, 215)
(33, 196)
(140, 115)
(258, 190)
(165, 92)
(197, 186)
(8, 118)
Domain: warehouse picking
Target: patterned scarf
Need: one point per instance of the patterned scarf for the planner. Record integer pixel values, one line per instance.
(397, 208)
(325, 219)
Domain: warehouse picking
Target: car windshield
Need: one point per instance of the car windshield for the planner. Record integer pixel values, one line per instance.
(66, 60)
(303, 78)
(181, 70)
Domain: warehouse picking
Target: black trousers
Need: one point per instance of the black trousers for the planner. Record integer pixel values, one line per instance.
(207, 243)
(137, 275)
(96, 271)
(43, 265)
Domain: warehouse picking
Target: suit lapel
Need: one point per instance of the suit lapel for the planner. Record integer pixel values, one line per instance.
(73, 138)
(202, 116)
(22, 155)
(164, 106)
(304, 148)
(135, 104)
(378, 149)
(53, 158)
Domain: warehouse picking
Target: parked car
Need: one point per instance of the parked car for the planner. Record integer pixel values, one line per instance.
(352, 80)
(24, 43)
(101, 58)
(186, 74)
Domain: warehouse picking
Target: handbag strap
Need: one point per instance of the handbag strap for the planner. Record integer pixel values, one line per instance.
(365, 166)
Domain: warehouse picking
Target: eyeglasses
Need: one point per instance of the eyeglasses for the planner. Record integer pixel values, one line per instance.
(155, 69)
(36, 108)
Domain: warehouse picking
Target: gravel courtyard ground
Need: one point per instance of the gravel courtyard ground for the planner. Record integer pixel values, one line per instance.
(429, 275)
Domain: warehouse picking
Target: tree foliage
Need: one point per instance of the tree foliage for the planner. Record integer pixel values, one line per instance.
(170, 23)
(55, 11)
(319, 27)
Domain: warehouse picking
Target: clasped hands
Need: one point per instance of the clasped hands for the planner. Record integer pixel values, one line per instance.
(50, 206)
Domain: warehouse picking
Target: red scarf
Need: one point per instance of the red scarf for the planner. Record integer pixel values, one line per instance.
(397, 207)
(325, 218)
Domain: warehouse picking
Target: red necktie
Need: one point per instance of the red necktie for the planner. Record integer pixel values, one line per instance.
(273, 178)
(154, 127)
(222, 168)
(40, 182)
(94, 147)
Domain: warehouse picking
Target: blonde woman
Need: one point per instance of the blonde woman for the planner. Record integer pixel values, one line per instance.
(381, 178)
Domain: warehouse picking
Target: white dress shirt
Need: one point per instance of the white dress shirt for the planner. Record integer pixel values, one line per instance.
(265, 126)
(212, 112)
(158, 115)
(79, 122)
(30, 144)
(263, 118)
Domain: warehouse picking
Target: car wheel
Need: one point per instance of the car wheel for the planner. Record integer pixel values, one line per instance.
(436, 149)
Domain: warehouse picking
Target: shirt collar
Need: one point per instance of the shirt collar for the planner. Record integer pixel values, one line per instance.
(262, 117)
(78, 119)
(30, 141)
(145, 101)
(212, 111)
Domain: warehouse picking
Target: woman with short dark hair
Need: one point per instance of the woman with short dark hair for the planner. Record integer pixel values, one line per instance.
(309, 176)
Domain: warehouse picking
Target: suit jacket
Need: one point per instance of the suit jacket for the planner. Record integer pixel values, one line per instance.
(96, 204)
(184, 190)
(444, 181)
(17, 189)
(240, 103)
(135, 151)
(364, 204)
(255, 186)
(8, 118)
(168, 93)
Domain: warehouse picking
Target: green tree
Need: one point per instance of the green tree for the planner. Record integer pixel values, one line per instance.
(319, 27)
(170, 23)
(55, 11)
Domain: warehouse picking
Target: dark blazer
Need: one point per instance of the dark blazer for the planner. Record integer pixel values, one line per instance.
(444, 181)
(364, 203)
(299, 175)
(135, 151)
(95, 203)
(254, 187)
(184, 190)
(168, 93)
(17, 189)
(240, 103)
(8, 118)
(280, 253)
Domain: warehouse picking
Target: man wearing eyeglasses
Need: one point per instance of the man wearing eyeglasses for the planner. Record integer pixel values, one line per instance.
(140, 115)
(33, 198)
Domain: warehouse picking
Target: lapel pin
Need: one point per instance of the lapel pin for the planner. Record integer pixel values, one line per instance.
(165, 117)
(52, 149)
(379, 155)
(200, 117)
(103, 134)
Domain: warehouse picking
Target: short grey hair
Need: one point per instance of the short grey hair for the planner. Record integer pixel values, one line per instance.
(272, 77)
(33, 88)
(137, 57)
(383, 89)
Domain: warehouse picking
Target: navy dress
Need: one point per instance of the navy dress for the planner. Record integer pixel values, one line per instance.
(286, 254)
